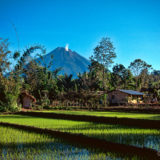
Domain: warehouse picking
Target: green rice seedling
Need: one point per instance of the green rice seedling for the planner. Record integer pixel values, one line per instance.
(115, 133)
(20, 145)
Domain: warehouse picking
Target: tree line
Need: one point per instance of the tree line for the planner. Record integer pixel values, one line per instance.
(23, 72)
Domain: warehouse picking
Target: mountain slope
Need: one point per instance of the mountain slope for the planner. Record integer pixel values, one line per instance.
(70, 61)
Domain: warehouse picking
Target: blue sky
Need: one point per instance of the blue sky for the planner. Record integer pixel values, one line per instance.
(132, 25)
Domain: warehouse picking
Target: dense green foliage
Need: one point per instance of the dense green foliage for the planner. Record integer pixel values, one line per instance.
(9, 86)
(116, 133)
(20, 71)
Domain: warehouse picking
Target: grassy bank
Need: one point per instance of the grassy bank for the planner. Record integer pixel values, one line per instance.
(109, 114)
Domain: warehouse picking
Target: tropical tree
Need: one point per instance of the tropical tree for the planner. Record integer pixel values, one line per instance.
(65, 83)
(122, 78)
(128, 80)
(104, 53)
(9, 84)
(139, 67)
(88, 82)
(118, 75)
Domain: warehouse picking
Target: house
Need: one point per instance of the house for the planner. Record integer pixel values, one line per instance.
(27, 100)
(122, 96)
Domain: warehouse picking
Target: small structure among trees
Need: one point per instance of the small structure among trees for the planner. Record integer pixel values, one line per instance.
(27, 100)
(122, 96)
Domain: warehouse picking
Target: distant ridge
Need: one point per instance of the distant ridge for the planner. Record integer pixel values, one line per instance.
(70, 61)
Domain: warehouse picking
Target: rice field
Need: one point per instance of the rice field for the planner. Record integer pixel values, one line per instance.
(149, 138)
(109, 114)
(19, 145)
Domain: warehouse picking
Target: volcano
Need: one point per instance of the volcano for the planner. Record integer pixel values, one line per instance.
(69, 61)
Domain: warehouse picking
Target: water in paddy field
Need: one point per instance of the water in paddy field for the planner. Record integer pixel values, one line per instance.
(51, 151)
(148, 141)
(152, 142)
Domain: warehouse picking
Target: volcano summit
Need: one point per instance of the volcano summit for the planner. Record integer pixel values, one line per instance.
(69, 61)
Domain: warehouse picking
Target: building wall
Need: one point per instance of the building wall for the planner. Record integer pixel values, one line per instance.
(27, 101)
(117, 97)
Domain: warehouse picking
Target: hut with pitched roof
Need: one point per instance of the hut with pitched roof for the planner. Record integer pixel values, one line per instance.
(27, 100)
(123, 96)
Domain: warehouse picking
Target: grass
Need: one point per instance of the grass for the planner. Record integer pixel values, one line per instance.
(115, 133)
(110, 114)
(17, 144)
